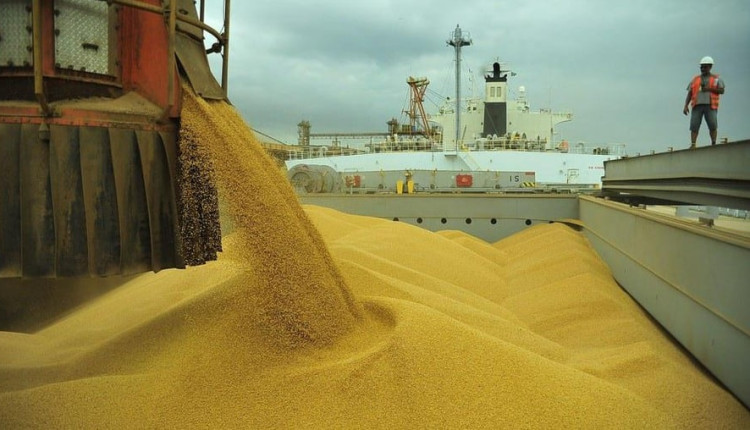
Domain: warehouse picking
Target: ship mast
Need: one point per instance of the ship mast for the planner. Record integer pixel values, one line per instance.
(457, 42)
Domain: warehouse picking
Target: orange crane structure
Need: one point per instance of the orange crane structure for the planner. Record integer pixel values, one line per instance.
(416, 113)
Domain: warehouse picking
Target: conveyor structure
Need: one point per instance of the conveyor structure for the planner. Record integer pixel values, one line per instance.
(91, 176)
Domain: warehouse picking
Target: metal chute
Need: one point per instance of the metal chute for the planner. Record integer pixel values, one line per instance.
(191, 53)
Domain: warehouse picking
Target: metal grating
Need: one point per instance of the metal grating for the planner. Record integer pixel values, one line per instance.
(15, 34)
(82, 35)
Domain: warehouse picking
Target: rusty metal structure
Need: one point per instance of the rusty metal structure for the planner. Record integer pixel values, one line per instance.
(90, 101)
(416, 112)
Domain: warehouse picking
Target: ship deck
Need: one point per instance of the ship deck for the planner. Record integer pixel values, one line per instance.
(688, 269)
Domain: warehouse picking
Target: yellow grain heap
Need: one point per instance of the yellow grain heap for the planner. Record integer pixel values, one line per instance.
(447, 331)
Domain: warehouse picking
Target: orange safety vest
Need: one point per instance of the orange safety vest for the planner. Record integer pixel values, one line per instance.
(696, 86)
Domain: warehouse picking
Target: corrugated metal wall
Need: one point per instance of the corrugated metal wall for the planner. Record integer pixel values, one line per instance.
(87, 201)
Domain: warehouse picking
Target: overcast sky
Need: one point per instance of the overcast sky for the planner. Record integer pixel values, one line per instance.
(620, 67)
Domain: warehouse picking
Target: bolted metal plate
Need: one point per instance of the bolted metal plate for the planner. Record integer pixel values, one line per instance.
(15, 34)
(82, 35)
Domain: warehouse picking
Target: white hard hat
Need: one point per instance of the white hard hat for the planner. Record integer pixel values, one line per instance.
(707, 60)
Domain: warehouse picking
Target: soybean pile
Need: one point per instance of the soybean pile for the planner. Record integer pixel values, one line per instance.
(311, 318)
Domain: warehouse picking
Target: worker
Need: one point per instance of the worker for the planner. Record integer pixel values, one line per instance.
(703, 94)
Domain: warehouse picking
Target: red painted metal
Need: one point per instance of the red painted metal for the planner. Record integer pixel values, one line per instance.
(354, 181)
(140, 45)
(143, 56)
(464, 181)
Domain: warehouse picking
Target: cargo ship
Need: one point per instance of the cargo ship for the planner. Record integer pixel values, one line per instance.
(469, 145)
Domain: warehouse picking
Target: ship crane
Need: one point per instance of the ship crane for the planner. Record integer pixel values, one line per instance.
(416, 110)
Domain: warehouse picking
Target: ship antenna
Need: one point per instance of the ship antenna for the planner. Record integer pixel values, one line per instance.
(457, 42)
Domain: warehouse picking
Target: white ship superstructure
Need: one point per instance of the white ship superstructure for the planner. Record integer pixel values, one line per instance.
(497, 118)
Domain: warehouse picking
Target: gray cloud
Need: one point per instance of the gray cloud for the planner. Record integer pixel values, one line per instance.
(621, 68)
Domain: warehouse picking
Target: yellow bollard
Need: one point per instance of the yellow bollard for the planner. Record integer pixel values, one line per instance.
(399, 187)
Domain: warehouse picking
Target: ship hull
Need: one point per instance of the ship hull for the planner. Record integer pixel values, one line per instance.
(548, 169)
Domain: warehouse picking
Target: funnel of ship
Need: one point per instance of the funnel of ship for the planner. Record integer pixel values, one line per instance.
(92, 182)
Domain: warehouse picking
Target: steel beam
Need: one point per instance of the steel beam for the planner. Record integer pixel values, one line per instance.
(715, 175)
